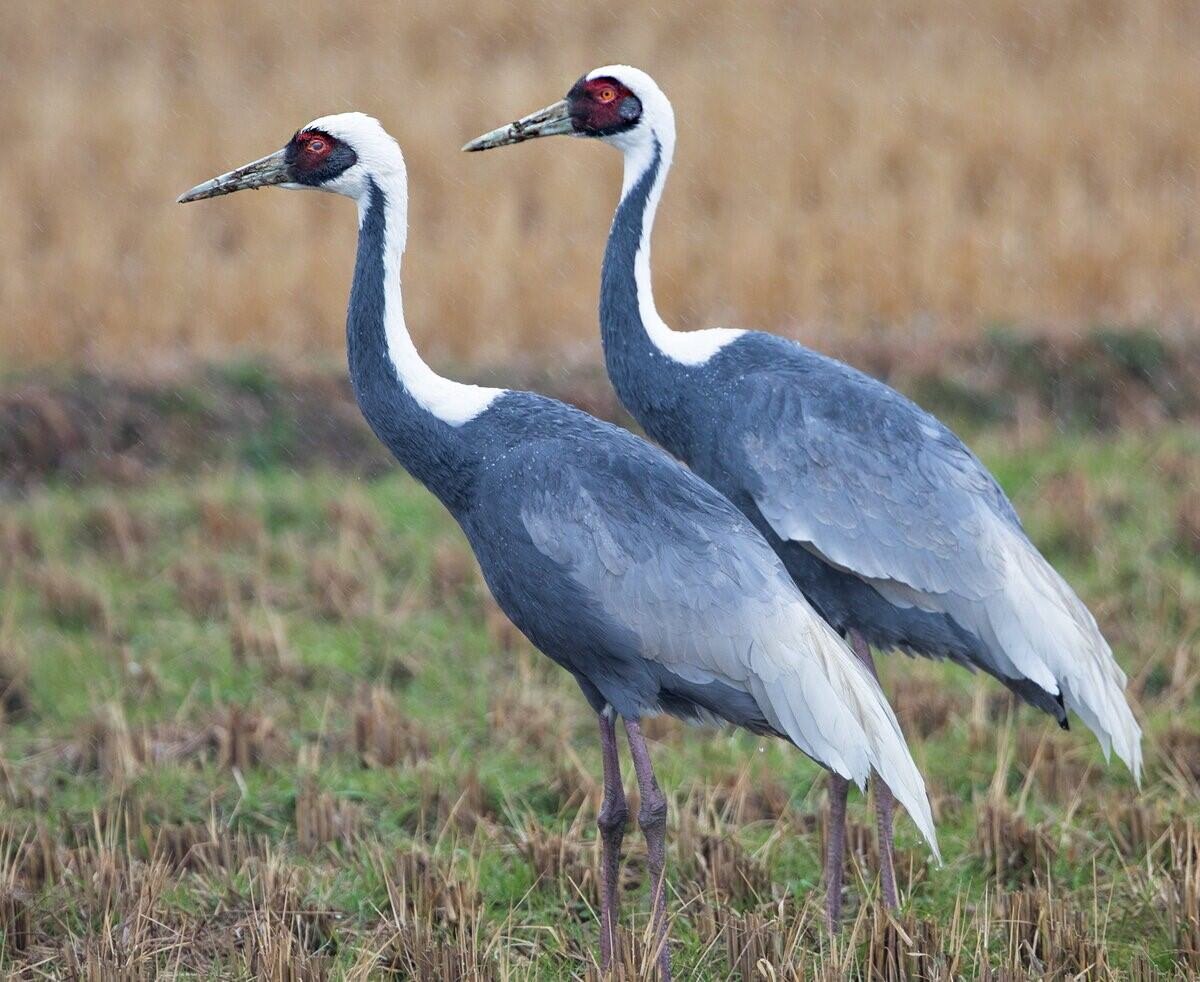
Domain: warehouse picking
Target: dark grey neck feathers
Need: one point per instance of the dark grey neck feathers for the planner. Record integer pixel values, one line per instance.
(437, 454)
(650, 384)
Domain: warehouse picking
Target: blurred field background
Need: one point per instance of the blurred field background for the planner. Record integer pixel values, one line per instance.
(258, 716)
(906, 168)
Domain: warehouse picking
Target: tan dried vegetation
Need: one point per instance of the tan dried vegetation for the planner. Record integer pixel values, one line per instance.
(928, 165)
(252, 783)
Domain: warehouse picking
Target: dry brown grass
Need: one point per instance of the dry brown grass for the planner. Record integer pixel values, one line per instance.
(247, 787)
(1013, 850)
(74, 601)
(18, 543)
(113, 531)
(338, 592)
(14, 673)
(382, 736)
(929, 165)
(202, 588)
(1050, 939)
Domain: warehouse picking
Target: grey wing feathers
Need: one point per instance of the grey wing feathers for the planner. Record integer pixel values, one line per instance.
(876, 490)
(867, 480)
(679, 568)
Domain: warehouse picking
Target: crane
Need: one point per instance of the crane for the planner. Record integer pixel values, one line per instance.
(618, 563)
(891, 527)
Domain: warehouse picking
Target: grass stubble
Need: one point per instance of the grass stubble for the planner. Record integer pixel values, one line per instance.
(263, 724)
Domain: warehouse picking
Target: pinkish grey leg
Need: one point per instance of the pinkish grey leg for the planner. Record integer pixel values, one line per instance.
(835, 851)
(652, 819)
(884, 801)
(611, 821)
(884, 808)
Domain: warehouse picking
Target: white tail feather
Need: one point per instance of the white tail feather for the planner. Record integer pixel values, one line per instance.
(1035, 627)
(1091, 681)
(831, 707)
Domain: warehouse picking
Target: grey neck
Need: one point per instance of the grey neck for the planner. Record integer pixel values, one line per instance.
(648, 381)
(415, 413)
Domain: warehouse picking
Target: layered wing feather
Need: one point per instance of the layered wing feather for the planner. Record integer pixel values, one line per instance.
(860, 475)
(683, 572)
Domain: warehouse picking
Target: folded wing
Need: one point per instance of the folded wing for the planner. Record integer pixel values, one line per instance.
(873, 484)
(687, 575)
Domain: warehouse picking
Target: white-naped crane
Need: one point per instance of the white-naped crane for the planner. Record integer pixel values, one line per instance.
(892, 528)
(618, 563)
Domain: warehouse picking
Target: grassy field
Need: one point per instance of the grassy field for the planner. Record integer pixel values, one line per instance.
(264, 723)
(916, 167)
(258, 717)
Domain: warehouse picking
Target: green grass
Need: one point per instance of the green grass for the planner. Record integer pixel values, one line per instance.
(356, 606)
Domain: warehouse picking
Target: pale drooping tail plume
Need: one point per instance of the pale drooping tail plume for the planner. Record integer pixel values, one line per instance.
(814, 689)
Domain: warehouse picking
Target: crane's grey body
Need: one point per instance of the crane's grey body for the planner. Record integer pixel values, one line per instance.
(771, 424)
(652, 589)
(603, 554)
(892, 528)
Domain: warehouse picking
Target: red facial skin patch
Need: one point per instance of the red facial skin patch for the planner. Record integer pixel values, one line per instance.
(596, 104)
(313, 147)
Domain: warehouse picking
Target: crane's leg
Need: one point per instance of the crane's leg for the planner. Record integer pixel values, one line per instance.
(835, 851)
(652, 819)
(611, 821)
(884, 802)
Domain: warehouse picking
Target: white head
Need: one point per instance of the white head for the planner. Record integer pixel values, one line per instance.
(625, 107)
(617, 104)
(336, 153)
(349, 154)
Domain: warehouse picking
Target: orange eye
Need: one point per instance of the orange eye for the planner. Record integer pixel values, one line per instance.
(606, 94)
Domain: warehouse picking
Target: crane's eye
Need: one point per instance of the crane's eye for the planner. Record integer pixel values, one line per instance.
(606, 94)
(315, 145)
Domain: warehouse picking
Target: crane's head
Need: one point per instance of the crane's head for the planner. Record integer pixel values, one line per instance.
(617, 104)
(334, 153)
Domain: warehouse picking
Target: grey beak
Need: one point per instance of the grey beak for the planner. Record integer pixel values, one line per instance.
(554, 120)
(258, 174)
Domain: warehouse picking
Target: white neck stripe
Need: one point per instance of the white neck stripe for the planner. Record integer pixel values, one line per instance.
(685, 347)
(452, 402)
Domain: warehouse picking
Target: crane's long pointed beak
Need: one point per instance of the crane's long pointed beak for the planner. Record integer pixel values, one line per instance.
(554, 120)
(257, 174)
